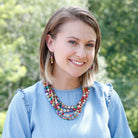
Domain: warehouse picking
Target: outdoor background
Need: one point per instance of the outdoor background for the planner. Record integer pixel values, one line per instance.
(21, 26)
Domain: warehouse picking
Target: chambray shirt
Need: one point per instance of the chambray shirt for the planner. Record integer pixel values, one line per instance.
(30, 115)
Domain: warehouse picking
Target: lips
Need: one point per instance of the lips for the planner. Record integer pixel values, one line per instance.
(78, 63)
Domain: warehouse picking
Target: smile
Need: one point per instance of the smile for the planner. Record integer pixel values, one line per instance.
(77, 63)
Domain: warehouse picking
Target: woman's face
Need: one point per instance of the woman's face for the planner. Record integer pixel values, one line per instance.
(73, 48)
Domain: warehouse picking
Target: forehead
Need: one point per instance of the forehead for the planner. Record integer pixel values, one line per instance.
(78, 29)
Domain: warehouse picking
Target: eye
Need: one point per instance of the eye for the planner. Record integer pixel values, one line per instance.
(90, 45)
(72, 42)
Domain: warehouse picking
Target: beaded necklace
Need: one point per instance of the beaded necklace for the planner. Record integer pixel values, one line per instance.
(64, 111)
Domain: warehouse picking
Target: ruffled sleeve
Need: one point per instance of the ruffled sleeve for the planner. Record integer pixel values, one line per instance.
(118, 123)
(17, 118)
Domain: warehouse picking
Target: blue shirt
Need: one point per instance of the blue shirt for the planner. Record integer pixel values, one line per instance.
(30, 115)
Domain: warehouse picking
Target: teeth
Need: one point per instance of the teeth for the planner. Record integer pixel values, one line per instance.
(78, 63)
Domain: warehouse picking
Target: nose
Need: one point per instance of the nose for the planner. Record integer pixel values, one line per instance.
(81, 52)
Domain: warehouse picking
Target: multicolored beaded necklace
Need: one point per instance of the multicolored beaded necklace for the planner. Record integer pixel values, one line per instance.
(64, 111)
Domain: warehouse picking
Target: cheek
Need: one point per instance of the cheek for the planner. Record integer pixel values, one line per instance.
(60, 56)
(91, 55)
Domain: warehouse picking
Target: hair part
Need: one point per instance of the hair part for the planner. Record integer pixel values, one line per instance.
(52, 28)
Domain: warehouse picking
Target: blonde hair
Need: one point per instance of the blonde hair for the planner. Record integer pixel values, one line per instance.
(60, 17)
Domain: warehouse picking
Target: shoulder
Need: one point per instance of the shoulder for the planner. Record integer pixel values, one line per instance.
(107, 91)
(34, 88)
(101, 88)
(31, 90)
(27, 95)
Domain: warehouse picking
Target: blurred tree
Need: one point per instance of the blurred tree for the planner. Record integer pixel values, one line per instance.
(118, 23)
(11, 68)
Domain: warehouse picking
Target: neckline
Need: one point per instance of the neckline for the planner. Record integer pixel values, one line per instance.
(68, 91)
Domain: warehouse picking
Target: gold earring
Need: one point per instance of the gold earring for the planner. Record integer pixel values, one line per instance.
(52, 58)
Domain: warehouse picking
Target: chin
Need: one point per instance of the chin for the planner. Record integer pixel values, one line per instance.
(76, 74)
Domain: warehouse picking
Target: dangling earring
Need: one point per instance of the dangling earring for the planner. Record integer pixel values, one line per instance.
(51, 58)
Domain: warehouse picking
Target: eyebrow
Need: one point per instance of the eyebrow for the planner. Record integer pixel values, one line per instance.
(79, 39)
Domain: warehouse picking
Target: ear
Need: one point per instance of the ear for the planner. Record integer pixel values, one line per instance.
(49, 42)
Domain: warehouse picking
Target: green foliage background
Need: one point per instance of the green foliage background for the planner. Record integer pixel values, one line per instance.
(21, 26)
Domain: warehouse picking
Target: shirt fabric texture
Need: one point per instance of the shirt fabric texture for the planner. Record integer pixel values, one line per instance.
(30, 115)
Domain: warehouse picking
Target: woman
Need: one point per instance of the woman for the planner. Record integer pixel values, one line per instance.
(68, 102)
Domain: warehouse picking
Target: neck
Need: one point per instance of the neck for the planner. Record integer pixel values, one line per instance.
(62, 83)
